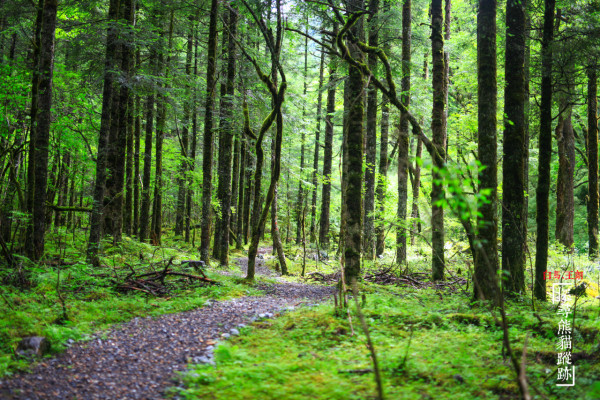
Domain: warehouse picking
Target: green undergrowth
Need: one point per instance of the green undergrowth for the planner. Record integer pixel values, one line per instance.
(92, 303)
(430, 345)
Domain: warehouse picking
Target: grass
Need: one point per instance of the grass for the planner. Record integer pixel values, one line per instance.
(430, 344)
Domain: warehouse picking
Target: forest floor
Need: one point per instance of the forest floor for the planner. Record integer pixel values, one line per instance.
(431, 341)
(138, 359)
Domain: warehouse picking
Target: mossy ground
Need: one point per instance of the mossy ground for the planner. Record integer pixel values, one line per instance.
(431, 344)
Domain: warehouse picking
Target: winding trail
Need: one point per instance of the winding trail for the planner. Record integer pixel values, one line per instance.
(138, 359)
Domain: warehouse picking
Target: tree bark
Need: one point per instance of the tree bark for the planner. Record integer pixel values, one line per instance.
(485, 284)
(35, 77)
(115, 182)
(513, 237)
(313, 203)
(145, 209)
(371, 138)
(101, 158)
(44, 120)
(403, 136)
(207, 150)
(224, 185)
(592, 153)
(328, 154)
(184, 166)
(545, 153)
(565, 202)
(354, 142)
(438, 139)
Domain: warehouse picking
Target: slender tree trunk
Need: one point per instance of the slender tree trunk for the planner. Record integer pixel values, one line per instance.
(328, 154)
(371, 138)
(438, 139)
(161, 119)
(101, 158)
(381, 189)
(403, 140)
(485, 284)
(249, 190)
(313, 203)
(224, 186)
(137, 133)
(182, 180)
(300, 204)
(235, 188)
(35, 77)
(545, 153)
(592, 153)
(207, 151)
(242, 194)
(192, 159)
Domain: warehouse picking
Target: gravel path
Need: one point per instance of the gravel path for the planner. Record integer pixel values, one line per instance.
(138, 359)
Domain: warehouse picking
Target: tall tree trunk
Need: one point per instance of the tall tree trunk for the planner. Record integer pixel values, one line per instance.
(207, 150)
(119, 128)
(513, 238)
(192, 159)
(354, 144)
(101, 158)
(249, 190)
(545, 153)
(182, 180)
(137, 133)
(416, 183)
(242, 194)
(35, 78)
(438, 139)
(371, 138)
(44, 119)
(224, 186)
(381, 189)
(403, 142)
(161, 119)
(565, 202)
(592, 153)
(300, 217)
(485, 284)
(145, 209)
(235, 187)
(313, 203)
(328, 154)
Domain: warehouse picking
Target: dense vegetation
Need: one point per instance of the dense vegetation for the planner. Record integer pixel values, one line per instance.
(452, 140)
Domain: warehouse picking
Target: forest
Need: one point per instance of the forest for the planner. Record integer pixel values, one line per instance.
(299, 199)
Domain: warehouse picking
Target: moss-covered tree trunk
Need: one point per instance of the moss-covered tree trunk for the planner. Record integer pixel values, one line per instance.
(485, 284)
(354, 145)
(371, 138)
(513, 198)
(565, 202)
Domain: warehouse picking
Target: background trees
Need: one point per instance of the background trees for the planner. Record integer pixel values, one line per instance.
(134, 82)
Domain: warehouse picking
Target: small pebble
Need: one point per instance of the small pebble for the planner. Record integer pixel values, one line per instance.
(234, 332)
